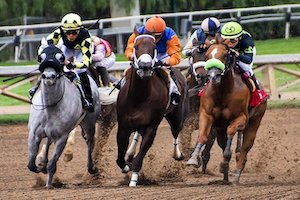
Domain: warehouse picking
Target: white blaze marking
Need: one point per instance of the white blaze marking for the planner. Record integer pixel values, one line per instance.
(214, 52)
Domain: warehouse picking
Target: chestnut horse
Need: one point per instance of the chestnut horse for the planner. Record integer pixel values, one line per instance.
(144, 101)
(225, 106)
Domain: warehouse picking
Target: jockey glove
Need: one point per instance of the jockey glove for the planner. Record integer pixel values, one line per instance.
(188, 53)
(235, 52)
(158, 63)
(70, 66)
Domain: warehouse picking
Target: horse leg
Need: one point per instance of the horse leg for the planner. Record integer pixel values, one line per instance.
(88, 130)
(236, 125)
(68, 153)
(147, 140)
(122, 141)
(132, 148)
(33, 147)
(176, 123)
(42, 158)
(58, 149)
(205, 123)
(205, 156)
(238, 146)
(248, 141)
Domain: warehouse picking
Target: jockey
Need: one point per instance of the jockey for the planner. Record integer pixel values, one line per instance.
(103, 58)
(204, 36)
(242, 45)
(76, 44)
(168, 48)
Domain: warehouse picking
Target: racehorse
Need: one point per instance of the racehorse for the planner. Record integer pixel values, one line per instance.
(143, 102)
(225, 106)
(56, 109)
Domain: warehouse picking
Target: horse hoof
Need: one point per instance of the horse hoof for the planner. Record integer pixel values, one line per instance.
(192, 161)
(126, 169)
(132, 184)
(68, 157)
(178, 158)
(93, 170)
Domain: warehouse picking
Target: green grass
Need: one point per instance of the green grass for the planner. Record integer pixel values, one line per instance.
(278, 46)
(14, 119)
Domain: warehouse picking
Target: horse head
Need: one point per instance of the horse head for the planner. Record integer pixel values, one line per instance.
(144, 55)
(197, 61)
(52, 62)
(218, 63)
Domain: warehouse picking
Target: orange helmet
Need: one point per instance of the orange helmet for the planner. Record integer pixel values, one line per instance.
(155, 25)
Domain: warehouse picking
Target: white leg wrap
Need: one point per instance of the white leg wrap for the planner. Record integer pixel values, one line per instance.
(131, 150)
(134, 179)
(177, 152)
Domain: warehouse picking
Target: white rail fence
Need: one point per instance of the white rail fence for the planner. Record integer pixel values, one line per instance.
(267, 64)
(107, 27)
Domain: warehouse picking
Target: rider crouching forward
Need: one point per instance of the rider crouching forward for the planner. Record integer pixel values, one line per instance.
(76, 44)
(203, 36)
(242, 45)
(168, 49)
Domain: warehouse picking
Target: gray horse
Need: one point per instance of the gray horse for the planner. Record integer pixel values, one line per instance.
(56, 109)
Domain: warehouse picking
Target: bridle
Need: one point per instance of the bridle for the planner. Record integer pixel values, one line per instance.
(144, 58)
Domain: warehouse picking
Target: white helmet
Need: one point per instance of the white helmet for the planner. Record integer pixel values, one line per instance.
(210, 25)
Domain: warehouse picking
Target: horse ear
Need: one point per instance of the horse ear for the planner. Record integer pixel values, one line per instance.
(135, 30)
(220, 40)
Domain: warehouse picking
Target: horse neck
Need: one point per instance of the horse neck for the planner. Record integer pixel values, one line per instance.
(227, 83)
(52, 94)
(140, 88)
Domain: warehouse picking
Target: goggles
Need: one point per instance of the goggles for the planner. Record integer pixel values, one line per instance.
(72, 32)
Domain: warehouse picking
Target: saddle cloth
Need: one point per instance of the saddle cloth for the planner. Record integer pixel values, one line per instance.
(107, 96)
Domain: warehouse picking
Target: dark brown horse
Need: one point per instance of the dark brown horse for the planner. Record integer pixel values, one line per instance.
(225, 106)
(143, 102)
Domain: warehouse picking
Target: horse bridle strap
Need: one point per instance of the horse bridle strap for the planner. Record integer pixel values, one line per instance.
(145, 57)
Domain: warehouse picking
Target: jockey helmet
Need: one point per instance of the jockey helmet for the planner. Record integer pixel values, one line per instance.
(155, 25)
(210, 25)
(231, 30)
(71, 21)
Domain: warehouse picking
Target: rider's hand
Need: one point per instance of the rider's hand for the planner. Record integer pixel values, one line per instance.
(158, 63)
(166, 62)
(188, 53)
(70, 66)
(235, 52)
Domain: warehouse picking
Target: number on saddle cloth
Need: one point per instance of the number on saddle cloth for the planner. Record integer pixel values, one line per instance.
(53, 57)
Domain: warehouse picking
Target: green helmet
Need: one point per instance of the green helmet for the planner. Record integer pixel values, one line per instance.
(231, 30)
(71, 21)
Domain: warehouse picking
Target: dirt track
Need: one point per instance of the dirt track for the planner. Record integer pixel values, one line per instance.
(272, 170)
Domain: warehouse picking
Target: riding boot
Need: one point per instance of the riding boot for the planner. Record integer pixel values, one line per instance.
(256, 83)
(88, 99)
(174, 92)
(33, 90)
(104, 75)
